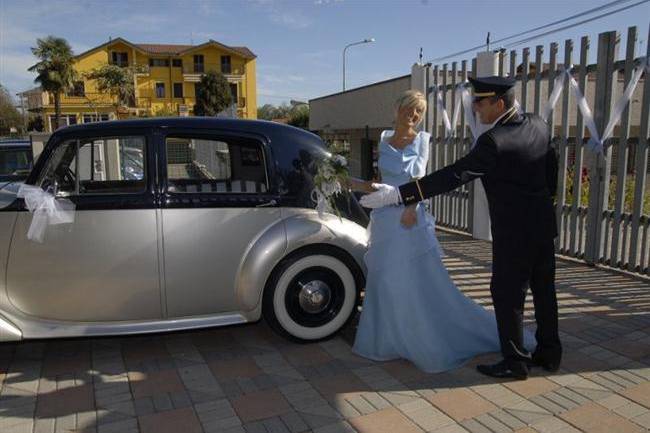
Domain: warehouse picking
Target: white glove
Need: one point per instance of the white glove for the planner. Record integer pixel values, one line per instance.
(385, 195)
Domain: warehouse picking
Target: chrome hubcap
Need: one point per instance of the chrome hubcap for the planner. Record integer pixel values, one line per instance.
(314, 296)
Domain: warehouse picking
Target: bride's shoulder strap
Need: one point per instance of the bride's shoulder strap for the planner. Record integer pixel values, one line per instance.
(424, 136)
(386, 134)
(424, 140)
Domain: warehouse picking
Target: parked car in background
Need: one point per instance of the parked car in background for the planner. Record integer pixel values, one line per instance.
(180, 223)
(15, 160)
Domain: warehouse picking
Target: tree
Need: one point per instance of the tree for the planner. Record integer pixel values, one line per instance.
(212, 95)
(9, 116)
(117, 81)
(283, 111)
(299, 116)
(35, 124)
(271, 112)
(267, 112)
(55, 71)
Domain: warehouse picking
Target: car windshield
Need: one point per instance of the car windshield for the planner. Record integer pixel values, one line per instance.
(15, 164)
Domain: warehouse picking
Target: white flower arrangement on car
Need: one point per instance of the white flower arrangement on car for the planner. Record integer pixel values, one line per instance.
(331, 180)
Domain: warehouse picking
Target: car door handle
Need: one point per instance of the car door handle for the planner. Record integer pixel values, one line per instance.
(268, 204)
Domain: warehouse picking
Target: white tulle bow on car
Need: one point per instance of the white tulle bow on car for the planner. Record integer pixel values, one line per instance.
(46, 210)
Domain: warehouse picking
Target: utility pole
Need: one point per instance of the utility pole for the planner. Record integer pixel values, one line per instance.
(22, 107)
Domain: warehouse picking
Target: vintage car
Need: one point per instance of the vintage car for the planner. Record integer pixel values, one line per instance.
(179, 223)
(15, 160)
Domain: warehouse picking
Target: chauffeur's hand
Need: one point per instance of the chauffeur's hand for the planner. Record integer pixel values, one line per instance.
(384, 195)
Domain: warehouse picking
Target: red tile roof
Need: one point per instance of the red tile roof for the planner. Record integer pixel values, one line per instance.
(163, 48)
(170, 49)
(174, 49)
(244, 50)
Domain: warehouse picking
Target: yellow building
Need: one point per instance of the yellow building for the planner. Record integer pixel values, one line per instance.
(167, 83)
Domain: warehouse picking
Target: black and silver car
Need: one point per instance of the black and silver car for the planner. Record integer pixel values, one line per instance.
(179, 223)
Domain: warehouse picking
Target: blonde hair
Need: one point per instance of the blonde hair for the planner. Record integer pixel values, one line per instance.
(411, 99)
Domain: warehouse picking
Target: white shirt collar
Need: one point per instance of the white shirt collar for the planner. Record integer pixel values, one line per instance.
(483, 127)
(505, 113)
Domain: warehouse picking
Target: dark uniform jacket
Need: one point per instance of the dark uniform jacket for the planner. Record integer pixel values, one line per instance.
(518, 168)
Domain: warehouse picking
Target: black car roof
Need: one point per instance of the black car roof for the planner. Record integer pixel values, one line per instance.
(289, 145)
(262, 127)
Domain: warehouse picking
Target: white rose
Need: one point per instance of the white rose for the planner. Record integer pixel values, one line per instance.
(328, 172)
(331, 188)
(340, 159)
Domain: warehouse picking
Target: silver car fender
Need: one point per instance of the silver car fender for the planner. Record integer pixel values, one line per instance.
(259, 260)
(298, 228)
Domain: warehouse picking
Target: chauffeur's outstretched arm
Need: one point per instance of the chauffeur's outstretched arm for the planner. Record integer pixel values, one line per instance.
(478, 162)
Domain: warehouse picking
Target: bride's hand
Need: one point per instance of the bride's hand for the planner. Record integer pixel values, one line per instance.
(409, 217)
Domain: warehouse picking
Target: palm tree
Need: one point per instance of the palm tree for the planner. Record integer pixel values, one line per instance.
(55, 69)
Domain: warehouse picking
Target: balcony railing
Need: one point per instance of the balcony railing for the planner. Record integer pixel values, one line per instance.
(202, 68)
(87, 98)
(143, 70)
(142, 102)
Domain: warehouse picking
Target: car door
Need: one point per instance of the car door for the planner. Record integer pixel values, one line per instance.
(216, 203)
(103, 266)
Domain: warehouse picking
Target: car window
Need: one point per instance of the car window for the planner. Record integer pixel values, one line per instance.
(97, 166)
(15, 162)
(215, 166)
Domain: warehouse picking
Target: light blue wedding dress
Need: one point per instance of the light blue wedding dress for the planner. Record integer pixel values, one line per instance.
(412, 309)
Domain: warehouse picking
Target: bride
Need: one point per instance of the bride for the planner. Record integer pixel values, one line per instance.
(412, 309)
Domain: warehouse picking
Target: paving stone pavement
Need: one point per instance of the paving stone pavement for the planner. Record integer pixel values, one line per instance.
(246, 379)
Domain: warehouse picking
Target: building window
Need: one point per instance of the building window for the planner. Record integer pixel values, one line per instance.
(233, 92)
(196, 90)
(160, 90)
(226, 67)
(199, 64)
(78, 89)
(178, 90)
(177, 63)
(64, 120)
(120, 58)
(88, 118)
(158, 62)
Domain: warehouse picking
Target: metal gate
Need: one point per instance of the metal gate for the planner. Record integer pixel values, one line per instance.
(603, 205)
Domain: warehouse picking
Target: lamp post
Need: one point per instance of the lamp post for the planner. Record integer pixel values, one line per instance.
(365, 41)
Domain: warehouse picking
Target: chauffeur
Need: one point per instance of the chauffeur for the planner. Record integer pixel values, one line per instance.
(518, 168)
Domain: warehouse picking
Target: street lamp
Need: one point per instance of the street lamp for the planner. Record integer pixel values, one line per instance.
(365, 41)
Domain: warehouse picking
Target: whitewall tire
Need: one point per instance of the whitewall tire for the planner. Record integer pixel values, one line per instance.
(311, 296)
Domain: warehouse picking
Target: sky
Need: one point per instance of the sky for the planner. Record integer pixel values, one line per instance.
(299, 43)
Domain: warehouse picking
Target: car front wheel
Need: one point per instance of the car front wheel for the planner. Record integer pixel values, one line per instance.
(311, 295)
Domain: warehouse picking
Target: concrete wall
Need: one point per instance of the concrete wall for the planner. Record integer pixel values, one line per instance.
(369, 105)
(351, 118)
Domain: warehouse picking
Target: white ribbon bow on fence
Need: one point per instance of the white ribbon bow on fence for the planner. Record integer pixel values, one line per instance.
(46, 210)
(596, 141)
(444, 114)
(464, 98)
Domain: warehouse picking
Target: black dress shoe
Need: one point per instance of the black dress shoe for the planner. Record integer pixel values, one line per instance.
(505, 369)
(550, 365)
